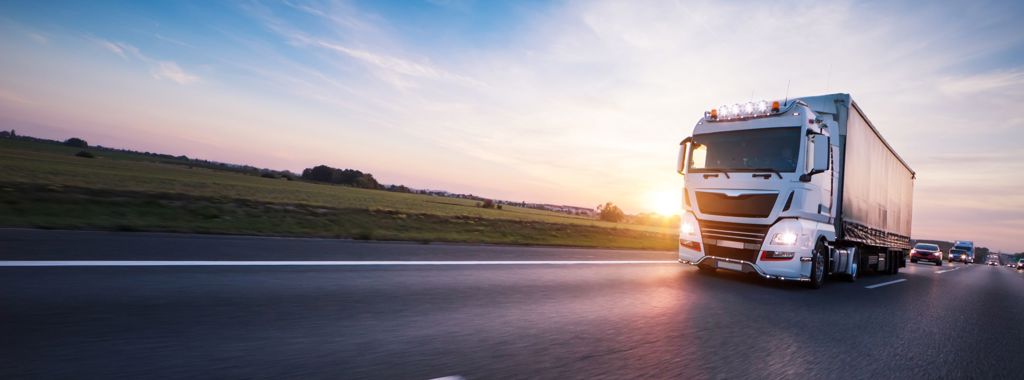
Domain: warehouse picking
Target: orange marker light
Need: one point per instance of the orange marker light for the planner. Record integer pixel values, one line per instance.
(775, 106)
(714, 113)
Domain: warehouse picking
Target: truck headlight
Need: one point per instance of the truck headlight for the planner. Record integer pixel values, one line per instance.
(688, 226)
(784, 238)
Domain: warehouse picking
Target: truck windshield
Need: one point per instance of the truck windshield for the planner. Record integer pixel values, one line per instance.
(747, 150)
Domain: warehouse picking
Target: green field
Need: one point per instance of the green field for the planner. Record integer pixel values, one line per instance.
(44, 185)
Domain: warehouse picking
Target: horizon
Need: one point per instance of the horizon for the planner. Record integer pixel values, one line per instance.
(559, 103)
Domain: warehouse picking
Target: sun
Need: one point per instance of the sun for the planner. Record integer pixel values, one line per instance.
(665, 202)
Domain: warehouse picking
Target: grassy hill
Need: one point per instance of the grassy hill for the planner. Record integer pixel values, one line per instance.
(45, 185)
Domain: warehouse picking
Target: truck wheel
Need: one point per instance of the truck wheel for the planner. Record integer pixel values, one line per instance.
(913, 261)
(893, 263)
(817, 267)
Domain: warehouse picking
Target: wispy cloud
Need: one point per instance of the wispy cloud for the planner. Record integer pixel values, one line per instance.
(995, 81)
(172, 40)
(386, 66)
(397, 65)
(11, 97)
(171, 71)
(168, 70)
(39, 38)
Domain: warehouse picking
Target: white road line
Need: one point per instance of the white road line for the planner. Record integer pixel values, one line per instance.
(175, 263)
(885, 283)
(947, 270)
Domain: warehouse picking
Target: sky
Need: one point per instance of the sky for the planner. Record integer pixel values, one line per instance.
(568, 102)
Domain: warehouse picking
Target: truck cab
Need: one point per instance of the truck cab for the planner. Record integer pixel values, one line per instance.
(763, 192)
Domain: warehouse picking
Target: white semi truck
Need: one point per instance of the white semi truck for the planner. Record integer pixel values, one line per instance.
(797, 189)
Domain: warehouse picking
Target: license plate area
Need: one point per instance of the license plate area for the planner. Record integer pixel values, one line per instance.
(730, 244)
(730, 266)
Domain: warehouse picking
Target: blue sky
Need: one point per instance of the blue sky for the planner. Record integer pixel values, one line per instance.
(575, 102)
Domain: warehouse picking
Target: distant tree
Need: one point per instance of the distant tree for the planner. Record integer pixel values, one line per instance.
(76, 142)
(610, 212)
(488, 203)
(84, 154)
(498, 206)
(349, 177)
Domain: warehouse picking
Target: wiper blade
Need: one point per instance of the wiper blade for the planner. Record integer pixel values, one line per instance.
(764, 170)
(712, 170)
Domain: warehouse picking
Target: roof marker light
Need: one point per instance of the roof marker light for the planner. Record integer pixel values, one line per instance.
(775, 106)
(762, 107)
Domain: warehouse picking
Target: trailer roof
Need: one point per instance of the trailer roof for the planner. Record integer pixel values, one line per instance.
(819, 103)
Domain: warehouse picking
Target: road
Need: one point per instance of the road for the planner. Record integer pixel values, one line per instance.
(477, 320)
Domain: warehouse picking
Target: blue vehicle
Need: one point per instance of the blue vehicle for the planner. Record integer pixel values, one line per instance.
(962, 251)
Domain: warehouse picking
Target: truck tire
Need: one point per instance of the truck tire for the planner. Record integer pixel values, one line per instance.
(914, 261)
(894, 262)
(818, 264)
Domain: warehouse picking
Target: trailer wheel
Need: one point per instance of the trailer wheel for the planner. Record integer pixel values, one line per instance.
(817, 266)
(899, 262)
(893, 261)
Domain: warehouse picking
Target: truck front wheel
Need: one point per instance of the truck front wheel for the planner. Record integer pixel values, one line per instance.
(818, 266)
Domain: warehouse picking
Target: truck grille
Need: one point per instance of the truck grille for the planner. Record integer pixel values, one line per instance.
(715, 234)
(746, 205)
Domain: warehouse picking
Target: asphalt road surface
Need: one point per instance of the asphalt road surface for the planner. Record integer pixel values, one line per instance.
(481, 317)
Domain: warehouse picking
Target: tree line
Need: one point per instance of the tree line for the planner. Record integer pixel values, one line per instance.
(347, 177)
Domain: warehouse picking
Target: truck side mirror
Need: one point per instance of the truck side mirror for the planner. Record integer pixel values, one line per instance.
(683, 157)
(819, 156)
(821, 150)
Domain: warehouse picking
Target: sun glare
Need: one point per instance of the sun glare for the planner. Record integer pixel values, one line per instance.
(665, 202)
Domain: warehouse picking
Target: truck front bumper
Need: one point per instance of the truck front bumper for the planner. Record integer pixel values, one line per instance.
(746, 267)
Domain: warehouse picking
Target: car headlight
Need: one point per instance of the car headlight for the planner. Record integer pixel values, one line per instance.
(784, 238)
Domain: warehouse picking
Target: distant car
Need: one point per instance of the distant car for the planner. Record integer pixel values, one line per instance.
(926, 252)
(957, 255)
(1020, 265)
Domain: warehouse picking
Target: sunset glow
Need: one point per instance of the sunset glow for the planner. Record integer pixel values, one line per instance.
(571, 103)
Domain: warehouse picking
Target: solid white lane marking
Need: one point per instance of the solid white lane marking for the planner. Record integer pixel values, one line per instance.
(885, 283)
(174, 263)
(947, 270)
